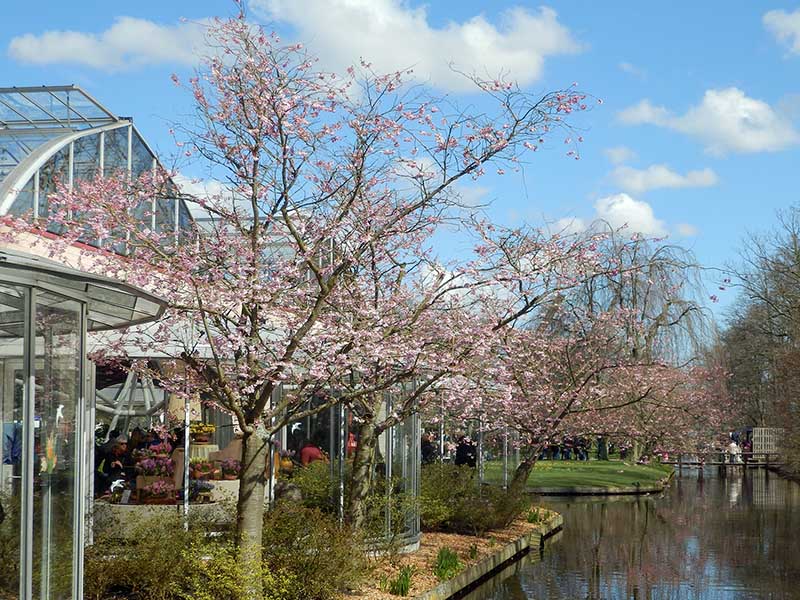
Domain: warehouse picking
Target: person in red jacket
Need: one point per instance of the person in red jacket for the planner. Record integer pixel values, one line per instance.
(311, 451)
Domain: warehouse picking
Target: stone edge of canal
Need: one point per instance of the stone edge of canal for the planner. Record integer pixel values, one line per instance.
(487, 567)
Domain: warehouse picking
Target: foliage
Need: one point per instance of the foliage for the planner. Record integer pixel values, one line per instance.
(534, 515)
(451, 499)
(473, 551)
(447, 564)
(316, 486)
(150, 563)
(440, 487)
(311, 549)
(307, 556)
(9, 545)
(401, 585)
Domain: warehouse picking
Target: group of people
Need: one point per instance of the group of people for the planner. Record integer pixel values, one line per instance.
(569, 449)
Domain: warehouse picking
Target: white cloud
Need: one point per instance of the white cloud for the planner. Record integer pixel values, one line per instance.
(632, 69)
(785, 27)
(567, 226)
(471, 194)
(661, 176)
(394, 36)
(620, 209)
(687, 230)
(725, 121)
(619, 154)
(128, 43)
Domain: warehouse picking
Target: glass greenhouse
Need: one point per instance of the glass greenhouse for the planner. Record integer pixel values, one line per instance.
(60, 134)
(46, 310)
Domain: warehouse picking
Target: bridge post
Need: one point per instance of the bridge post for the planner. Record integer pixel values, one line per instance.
(680, 462)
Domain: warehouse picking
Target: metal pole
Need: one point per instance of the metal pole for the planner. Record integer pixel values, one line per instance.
(187, 407)
(505, 457)
(441, 431)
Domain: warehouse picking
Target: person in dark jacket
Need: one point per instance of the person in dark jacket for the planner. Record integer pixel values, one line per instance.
(466, 452)
(429, 451)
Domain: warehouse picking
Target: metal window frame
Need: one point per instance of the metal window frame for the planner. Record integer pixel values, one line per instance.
(29, 441)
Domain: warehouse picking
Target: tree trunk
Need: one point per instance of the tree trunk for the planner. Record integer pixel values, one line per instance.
(355, 514)
(523, 471)
(250, 513)
(636, 452)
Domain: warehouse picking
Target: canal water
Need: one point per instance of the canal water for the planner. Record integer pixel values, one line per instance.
(708, 537)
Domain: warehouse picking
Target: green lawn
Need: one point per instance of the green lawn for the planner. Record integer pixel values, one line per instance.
(593, 473)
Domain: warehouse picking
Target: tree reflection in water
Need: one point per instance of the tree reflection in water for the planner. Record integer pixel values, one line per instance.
(708, 538)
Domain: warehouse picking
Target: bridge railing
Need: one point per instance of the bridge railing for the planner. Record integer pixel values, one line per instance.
(723, 457)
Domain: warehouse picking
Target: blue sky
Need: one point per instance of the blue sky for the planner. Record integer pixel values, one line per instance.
(696, 138)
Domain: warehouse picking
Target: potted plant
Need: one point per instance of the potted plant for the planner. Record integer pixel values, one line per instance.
(158, 492)
(287, 465)
(201, 468)
(155, 467)
(230, 468)
(200, 491)
(162, 449)
(201, 432)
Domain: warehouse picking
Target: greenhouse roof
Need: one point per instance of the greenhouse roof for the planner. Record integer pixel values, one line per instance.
(50, 107)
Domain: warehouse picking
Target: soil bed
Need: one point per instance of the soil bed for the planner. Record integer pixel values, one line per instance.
(424, 559)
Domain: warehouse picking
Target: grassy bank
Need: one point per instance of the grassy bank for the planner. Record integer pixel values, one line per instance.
(592, 473)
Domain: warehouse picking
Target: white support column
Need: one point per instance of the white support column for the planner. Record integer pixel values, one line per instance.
(28, 456)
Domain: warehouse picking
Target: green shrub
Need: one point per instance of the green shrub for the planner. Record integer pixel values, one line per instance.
(307, 556)
(9, 547)
(439, 486)
(447, 564)
(473, 551)
(534, 515)
(316, 485)
(451, 499)
(309, 548)
(401, 585)
(211, 571)
(279, 584)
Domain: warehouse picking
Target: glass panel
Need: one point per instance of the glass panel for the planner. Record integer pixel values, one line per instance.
(165, 215)
(58, 372)
(12, 311)
(141, 159)
(15, 145)
(86, 157)
(54, 172)
(23, 203)
(115, 156)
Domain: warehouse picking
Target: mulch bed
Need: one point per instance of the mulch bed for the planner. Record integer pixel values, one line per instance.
(423, 560)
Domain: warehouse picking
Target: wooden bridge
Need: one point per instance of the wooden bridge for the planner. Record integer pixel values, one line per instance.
(726, 459)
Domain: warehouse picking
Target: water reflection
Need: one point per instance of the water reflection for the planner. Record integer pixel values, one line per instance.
(709, 537)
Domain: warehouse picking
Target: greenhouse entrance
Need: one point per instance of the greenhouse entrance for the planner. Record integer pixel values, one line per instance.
(45, 311)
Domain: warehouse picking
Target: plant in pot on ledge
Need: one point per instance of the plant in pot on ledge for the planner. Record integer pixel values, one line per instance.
(159, 492)
(200, 468)
(231, 468)
(201, 432)
(150, 470)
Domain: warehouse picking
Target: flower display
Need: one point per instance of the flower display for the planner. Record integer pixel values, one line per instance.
(231, 466)
(158, 466)
(159, 489)
(199, 428)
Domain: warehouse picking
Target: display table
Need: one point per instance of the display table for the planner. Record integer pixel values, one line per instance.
(202, 450)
